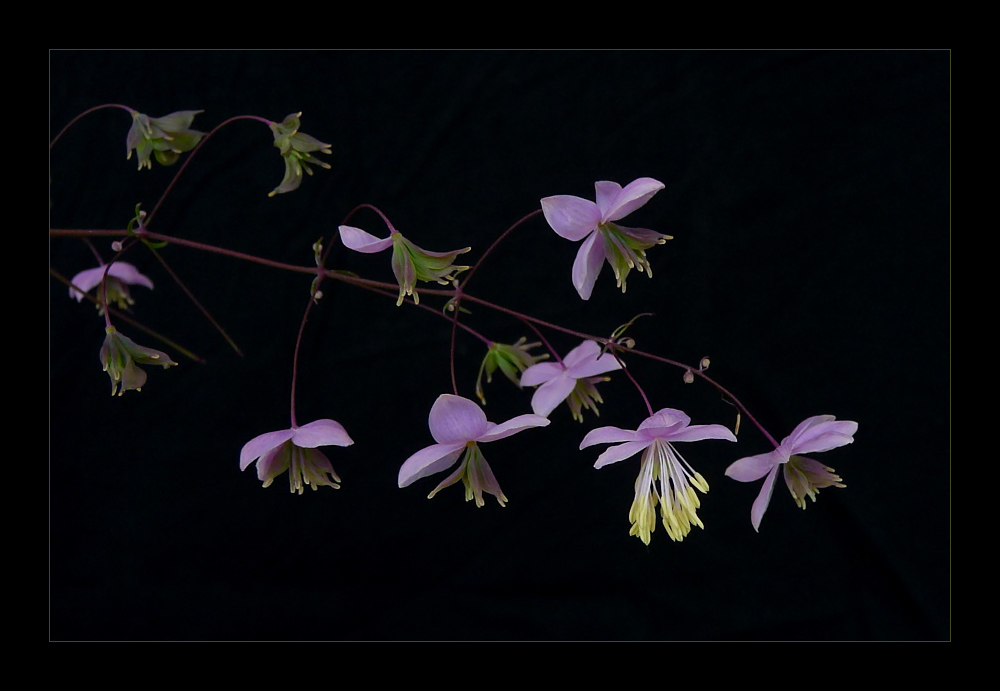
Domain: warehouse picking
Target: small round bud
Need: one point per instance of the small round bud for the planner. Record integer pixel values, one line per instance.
(688, 377)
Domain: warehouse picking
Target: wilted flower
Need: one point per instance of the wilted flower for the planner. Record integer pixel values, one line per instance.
(120, 356)
(660, 464)
(120, 276)
(512, 361)
(166, 138)
(803, 476)
(573, 380)
(295, 450)
(458, 426)
(409, 262)
(297, 149)
(624, 248)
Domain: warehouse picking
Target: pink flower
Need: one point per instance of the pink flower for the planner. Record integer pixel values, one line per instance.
(574, 378)
(624, 248)
(295, 450)
(120, 276)
(803, 476)
(409, 262)
(458, 426)
(661, 465)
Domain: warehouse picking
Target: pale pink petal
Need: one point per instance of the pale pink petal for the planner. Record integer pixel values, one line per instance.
(608, 435)
(456, 419)
(127, 273)
(585, 352)
(260, 445)
(540, 373)
(753, 468)
(606, 194)
(321, 433)
(823, 436)
(552, 393)
(803, 428)
(587, 266)
(360, 241)
(620, 453)
(595, 366)
(571, 217)
(634, 195)
(513, 426)
(429, 460)
(700, 432)
(85, 280)
(763, 499)
(665, 421)
(274, 462)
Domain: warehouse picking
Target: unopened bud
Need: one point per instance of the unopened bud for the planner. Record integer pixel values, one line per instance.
(688, 377)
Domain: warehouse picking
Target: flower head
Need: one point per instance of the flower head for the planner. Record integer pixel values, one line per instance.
(120, 276)
(166, 138)
(573, 380)
(409, 262)
(296, 148)
(120, 356)
(295, 450)
(458, 426)
(593, 222)
(512, 360)
(803, 476)
(665, 478)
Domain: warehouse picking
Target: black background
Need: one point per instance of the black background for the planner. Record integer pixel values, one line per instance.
(808, 195)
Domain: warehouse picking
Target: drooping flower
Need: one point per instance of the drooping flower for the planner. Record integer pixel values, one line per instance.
(624, 248)
(511, 359)
(296, 149)
(803, 476)
(120, 357)
(573, 380)
(458, 426)
(166, 138)
(295, 450)
(665, 478)
(409, 262)
(120, 276)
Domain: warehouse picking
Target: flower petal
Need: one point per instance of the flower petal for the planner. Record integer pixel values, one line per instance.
(429, 460)
(260, 445)
(618, 205)
(552, 393)
(763, 499)
(753, 468)
(456, 419)
(608, 435)
(822, 434)
(571, 217)
(321, 433)
(620, 453)
(513, 426)
(129, 274)
(540, 373)
(585, 352)
(360, 241)
(700, 432)
(587, 266)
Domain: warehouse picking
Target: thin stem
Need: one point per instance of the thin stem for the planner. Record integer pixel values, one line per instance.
(634, 382)
(187, 159)
(193, 299)
(84, 113)
(496, 242)
(385, 219)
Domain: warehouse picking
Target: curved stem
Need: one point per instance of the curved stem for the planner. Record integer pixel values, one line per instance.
(84, 113)
(187, 159)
